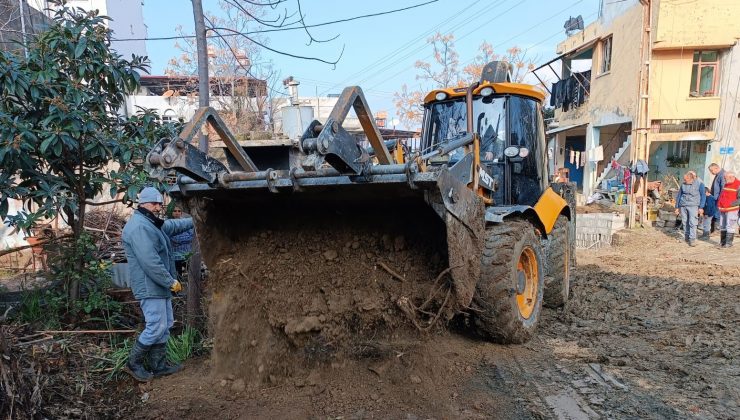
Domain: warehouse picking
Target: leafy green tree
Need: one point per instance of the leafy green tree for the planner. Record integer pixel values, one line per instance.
(63, 143)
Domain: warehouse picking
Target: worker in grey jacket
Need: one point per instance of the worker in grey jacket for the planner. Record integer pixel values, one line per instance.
(153, 278)
(690, 205)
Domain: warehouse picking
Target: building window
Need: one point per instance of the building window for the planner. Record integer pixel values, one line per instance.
(704, 73)
(606, 56)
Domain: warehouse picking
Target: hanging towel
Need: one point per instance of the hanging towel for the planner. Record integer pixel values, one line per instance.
(598, 154)
(572, 157)
(578, 160)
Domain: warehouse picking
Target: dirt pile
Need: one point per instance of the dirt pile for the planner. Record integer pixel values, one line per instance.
(295, 289)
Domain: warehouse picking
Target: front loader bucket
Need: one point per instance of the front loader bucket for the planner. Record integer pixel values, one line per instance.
(324, 274)
(390, 197)
(318, 251)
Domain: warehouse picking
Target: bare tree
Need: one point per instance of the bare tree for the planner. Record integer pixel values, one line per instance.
(444, 71)
(240, 81)
(520, 64)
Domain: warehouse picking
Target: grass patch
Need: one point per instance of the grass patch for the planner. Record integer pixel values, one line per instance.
(185, 345)
(180, 347)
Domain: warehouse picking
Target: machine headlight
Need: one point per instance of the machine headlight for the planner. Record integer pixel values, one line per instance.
(511, 151)
(523, 152)
(440, 96)
(486, 91)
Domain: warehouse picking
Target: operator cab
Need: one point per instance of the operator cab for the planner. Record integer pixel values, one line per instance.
(508, 120)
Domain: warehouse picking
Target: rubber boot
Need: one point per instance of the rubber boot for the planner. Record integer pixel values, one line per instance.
(730, 237)
(135, 365)
(722, 238)
(158, 361)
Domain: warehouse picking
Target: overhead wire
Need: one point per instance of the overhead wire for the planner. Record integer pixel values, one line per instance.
(400, 60)
(553, 16)
(325, 84)
(301, 27)
(407, 45)
(497, 45)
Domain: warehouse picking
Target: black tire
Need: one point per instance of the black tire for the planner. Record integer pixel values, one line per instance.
(559, 256)
(498, 314)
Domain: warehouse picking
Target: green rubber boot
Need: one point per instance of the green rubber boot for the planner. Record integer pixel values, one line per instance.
(135, 365)
(158, 361)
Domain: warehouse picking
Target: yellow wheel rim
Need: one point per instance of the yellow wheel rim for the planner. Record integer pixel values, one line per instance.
(527, 284)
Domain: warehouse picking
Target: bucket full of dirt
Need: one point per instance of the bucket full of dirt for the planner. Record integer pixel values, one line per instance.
(300, 284)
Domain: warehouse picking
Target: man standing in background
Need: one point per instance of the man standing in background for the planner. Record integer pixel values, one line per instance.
(181, 243)
(729, 205)
(717, 184)
(690, 205)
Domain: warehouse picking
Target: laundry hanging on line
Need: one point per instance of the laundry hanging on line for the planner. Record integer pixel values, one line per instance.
(571, 92)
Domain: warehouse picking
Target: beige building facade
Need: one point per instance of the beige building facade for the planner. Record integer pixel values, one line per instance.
(684, 114)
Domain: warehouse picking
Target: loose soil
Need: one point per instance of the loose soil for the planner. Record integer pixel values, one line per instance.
(650, 331)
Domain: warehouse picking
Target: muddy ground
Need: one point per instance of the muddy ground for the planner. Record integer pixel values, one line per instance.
(651, 331)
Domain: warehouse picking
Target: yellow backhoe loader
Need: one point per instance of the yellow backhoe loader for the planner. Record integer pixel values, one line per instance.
(481, 166)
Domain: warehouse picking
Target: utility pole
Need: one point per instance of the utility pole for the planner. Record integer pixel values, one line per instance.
(202, 49)
(640, 149)
(21, 4)
(194, 287)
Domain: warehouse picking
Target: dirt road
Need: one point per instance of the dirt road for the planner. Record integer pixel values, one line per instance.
(651, 331)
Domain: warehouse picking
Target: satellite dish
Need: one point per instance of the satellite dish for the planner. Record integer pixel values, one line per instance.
(168, 93)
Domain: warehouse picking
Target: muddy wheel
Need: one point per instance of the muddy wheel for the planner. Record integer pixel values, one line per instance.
(508, 296)
(559, 264)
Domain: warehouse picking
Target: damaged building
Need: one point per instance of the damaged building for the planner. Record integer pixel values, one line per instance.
(652, 80)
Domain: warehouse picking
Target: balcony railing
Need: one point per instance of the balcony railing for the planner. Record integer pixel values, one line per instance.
(682, 126)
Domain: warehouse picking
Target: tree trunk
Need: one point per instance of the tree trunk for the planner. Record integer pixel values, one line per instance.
(195, 286)
(72, 282)
(78, 229)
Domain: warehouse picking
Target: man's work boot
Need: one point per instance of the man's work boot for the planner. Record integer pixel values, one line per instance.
(135, 365)
(722, 238)
(730, 237)
(692, 243)
(158, 361)
(704, 236)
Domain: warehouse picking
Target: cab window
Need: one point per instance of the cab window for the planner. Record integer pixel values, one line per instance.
(527, 177)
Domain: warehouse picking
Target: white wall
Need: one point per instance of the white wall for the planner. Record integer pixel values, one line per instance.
(322, 107)
(127, 21)
(728, 123)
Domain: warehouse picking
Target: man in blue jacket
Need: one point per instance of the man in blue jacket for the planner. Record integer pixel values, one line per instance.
(153, 279)
(690, 205)
(710, 212)
(718, 184)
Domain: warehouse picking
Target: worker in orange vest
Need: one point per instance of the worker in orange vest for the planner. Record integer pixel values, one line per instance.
(728, 204)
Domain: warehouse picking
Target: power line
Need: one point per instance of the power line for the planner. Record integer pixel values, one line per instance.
(553, 16)
(262, 31)
(477, 15)
(405, 46)
(497, 45)
(431, 55)
(330, 85)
